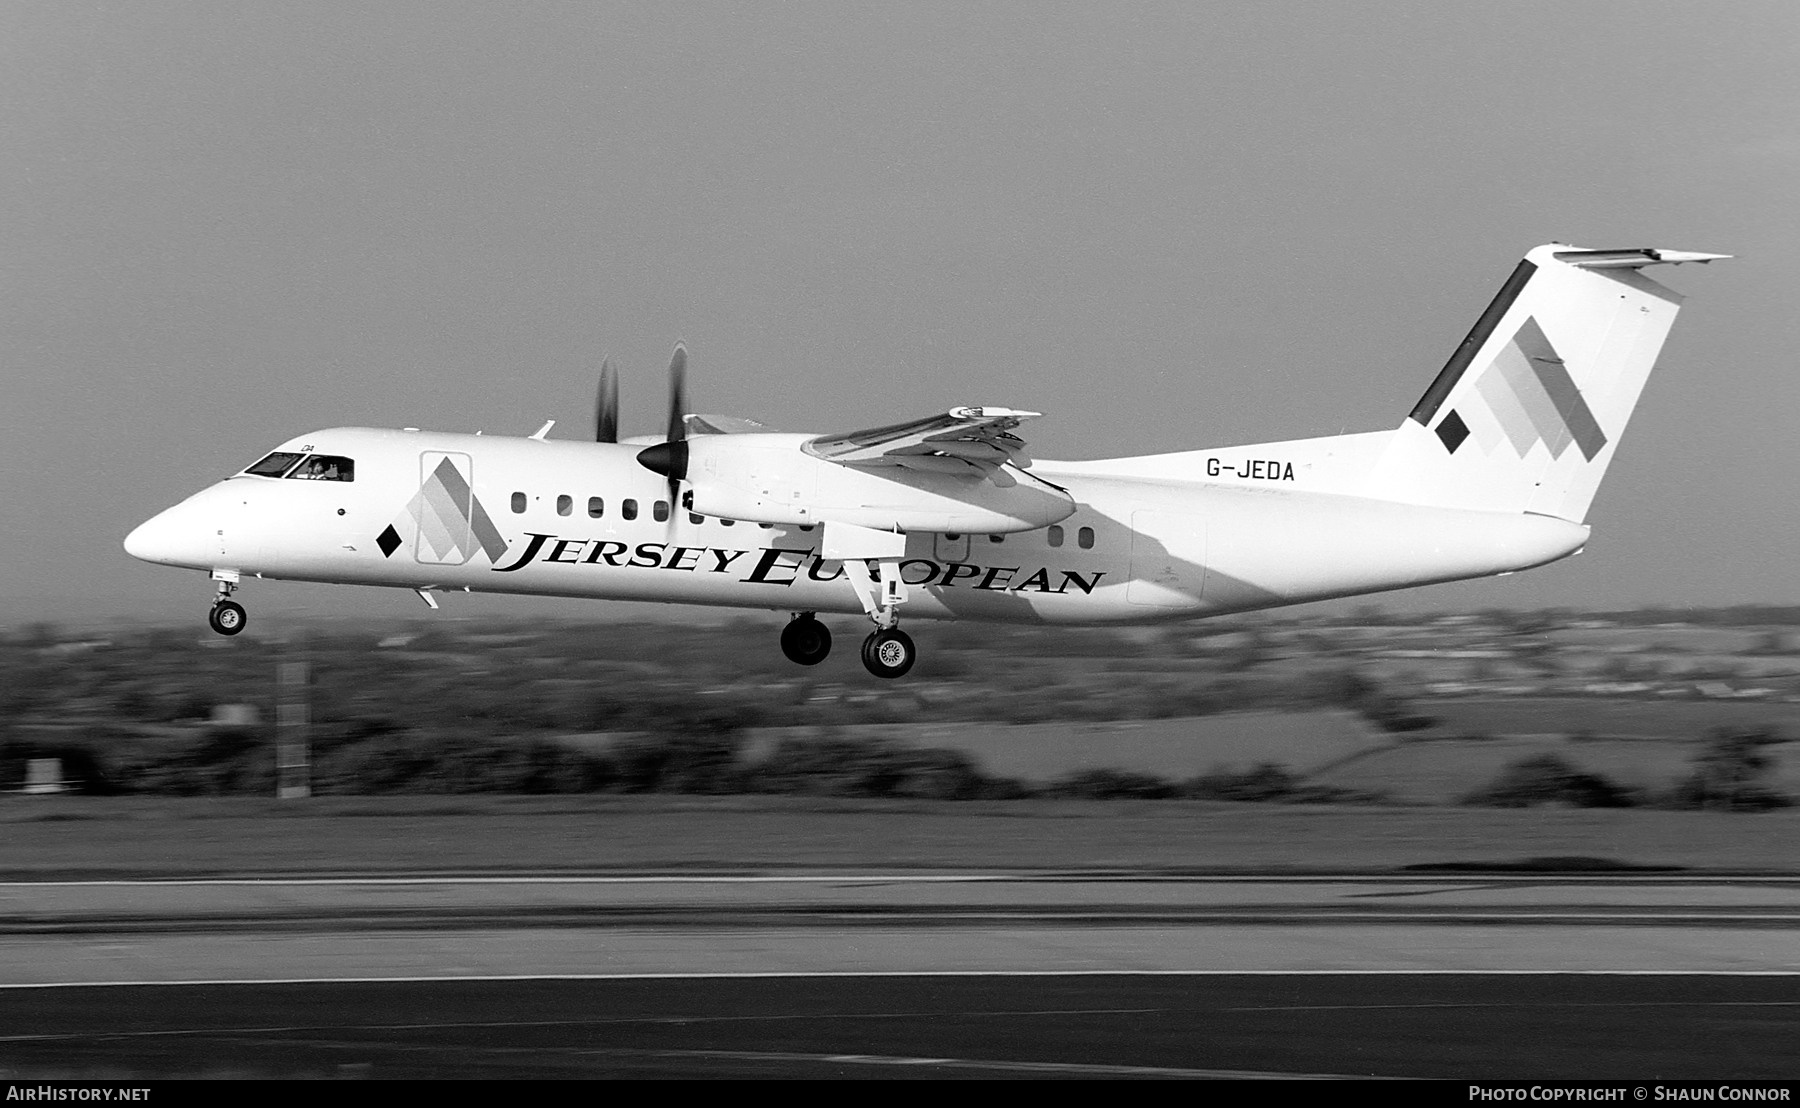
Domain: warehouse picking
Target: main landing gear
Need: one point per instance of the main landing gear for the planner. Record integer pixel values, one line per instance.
(805, 640)
(227, 616)
(889, 652)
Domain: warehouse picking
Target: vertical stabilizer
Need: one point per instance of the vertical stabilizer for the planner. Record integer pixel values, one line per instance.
(1528, 411)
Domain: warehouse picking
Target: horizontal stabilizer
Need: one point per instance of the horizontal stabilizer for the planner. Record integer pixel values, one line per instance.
(1632, 259)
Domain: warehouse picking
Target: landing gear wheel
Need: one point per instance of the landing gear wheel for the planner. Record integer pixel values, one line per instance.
(227, 617)
(805, 641)
(889, 653)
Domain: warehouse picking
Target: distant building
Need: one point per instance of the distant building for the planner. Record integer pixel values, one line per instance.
(44, 775)
(234, 715)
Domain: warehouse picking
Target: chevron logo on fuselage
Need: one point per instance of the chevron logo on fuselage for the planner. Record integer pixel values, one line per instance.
(449, 520)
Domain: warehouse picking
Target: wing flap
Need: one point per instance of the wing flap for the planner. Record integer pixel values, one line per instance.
(962, 440)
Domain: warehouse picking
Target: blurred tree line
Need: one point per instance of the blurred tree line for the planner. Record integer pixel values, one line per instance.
(1731, 772)
(639, 707)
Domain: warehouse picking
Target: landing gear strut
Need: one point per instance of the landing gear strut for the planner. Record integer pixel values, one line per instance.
(888, 651)
(227, 616)
(805, 640)
(872, 567)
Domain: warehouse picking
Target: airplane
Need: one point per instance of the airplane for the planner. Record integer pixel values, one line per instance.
(948, 516)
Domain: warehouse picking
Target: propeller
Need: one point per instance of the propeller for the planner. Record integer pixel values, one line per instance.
(678, 394)
(606, 405)
(670, 457)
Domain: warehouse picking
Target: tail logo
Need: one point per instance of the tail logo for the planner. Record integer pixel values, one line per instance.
(1525, 397)
(449, 520)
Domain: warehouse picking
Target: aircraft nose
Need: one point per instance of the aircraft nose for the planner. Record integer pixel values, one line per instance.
(164, 538)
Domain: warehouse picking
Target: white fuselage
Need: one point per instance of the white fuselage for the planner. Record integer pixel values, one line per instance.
(1198, 538)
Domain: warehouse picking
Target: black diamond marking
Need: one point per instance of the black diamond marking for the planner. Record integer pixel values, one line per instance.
(1451, 432)
(389, 541)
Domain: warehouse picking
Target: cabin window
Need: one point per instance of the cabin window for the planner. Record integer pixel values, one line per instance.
(806, 526)
(952, 535)
(1056, 535)
(767, 526)
(1084, 538)
(518, 503)
(324, 467)
(996, 538)
(628, 509)
(727, 522)
(660, 510)
(596, 507)
(565, 504)
(274, 465)
(696, 517)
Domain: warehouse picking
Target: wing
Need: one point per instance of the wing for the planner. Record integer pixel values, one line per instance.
(968, 441)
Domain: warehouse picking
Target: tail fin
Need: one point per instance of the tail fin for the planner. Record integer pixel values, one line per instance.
(1527, 413)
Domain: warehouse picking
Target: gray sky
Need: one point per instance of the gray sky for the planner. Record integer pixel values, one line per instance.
(1167, 226)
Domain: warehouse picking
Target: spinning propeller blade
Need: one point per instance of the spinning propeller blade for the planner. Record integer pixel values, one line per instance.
(678, 394)
(670, 458)
(606, 405)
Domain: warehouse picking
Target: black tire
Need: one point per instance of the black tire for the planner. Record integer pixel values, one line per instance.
(805, 641)
(889, 653)
(227, 617)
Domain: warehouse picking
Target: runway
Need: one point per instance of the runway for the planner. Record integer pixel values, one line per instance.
(895, 974)
(371, 927)
(1313, 1025)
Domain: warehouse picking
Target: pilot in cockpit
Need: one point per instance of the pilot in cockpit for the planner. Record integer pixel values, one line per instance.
(324, 469)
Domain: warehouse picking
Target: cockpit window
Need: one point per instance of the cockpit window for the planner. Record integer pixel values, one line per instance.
(274, 465)
(324, 467)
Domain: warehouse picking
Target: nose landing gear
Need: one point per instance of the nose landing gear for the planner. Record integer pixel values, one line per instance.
(227, 616)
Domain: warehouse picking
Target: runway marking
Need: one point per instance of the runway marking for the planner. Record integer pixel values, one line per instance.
(599, 1021)
(838, 1017)
(1518, 1004)
(1096, 1069)
(1093, 1068)
(646, 880)
(1436, 883)
(808, 974)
